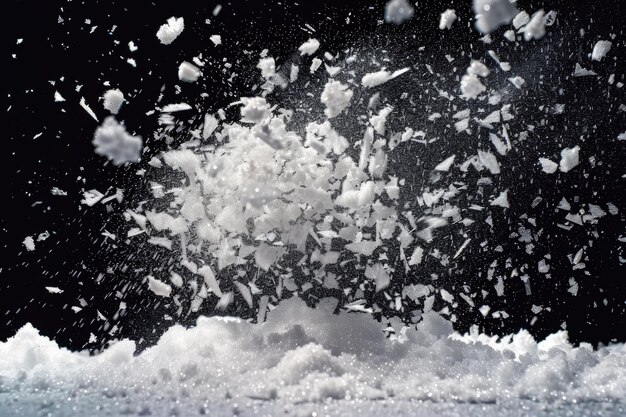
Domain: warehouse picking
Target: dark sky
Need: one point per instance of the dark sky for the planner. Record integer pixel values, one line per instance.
(48, 144)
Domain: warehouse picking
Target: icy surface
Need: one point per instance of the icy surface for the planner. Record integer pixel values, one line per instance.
(300, 359)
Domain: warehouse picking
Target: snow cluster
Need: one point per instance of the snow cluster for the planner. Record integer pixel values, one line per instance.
(113, 100)
(491, 14)
(170, 30)
(336, 97)
(447, 19)
(112, 140)
(305, 356)
(398, 11)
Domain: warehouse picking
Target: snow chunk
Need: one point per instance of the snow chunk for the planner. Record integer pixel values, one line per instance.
(445, 165)
(600, 49)
(517, 81)
(478, 68)
(520, 19)
(471, 87)
(216, 39)
(489, 161)
(536, 28)
(169, 31)
(158, 287)
(447, 19)
(254, 110)
(188, 72)
(374, 79)
(502, 200)
(336, 97)
(491, 14)
(548, 166)
(29, 243)
(113, 100)
(582, 72)
(112, 140)
(398, 11)
(267, 67)
(569, 158)
(309, 47)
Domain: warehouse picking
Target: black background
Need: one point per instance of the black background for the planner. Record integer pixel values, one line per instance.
(59, 53)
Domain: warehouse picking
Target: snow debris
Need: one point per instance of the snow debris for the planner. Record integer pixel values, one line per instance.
(29, 243)
(58, 97)
(254, 110)
(188, 72)
(502, 200)
(336, 97)
(536, 28)
(58, 191)
(85, 106)
(491, 14)
(445, 165)
(175, 107)
(398, 11)
(309, 47)
(600, 49)
(113, 100)
(216, 39)
(54, 290)
(520, 19)
(315, 64)
(447, 19)
(158, 287)
(267, 67)
(569, 158)
(112, 140)
(548, 166)
(471, 87)
(91, 197)
(170, 30)
(517, 81)
(582, 72)
(380, 77)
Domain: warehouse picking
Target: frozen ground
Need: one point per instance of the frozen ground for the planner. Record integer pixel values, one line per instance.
(312, 362)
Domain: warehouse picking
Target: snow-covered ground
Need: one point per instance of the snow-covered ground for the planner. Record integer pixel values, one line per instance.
(310, 362)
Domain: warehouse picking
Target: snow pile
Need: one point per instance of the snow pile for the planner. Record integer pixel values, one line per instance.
(398, 11)
(112, 140)
(170, 30)
(302, 355)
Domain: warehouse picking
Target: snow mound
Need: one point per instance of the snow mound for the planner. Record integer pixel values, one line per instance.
(304, 355)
